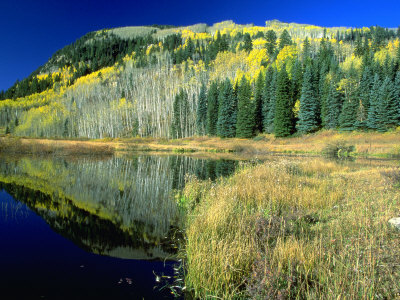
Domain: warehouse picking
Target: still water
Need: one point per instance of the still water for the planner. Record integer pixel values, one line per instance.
(92, 228)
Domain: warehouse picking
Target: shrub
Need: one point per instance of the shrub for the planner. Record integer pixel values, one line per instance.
(338, 149)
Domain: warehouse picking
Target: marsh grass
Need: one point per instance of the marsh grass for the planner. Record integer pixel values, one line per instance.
(294, 230)
(21, 146)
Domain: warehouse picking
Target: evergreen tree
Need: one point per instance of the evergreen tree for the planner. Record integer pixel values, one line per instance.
(306, 50)
(226, 125)
(372, 119)
(284, 118)
(258, 101)
(333, 107)
(285, 39)
(365, 87)
(297, 80)
(212, 109)
(201, 115)
(308, 118)
(270, 102)
(347, 117)
(266, 95)
(181, 110)
(247, 44)
(397, 96)
(387, 116)
(359, 48)
(271, 38)
(245, 115)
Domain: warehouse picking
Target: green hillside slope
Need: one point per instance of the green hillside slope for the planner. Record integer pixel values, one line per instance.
(146, 81)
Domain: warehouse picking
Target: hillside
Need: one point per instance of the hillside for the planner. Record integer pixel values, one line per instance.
(224, 80)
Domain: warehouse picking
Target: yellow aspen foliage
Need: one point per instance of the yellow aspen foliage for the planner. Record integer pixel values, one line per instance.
(287, 56)
(259, 43)
(392, 47)
(253, 30)
(149, 49)
(200, 67)
(187, 33)
(226, 64)
(380, 55)
(42, 76)
(95, 77)
(129, 57)
(239, 75)
(352, 61)
(256, 58)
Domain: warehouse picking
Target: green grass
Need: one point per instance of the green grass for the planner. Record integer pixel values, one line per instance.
(307, 229)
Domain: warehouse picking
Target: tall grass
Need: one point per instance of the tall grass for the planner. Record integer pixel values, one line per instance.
(294, 230)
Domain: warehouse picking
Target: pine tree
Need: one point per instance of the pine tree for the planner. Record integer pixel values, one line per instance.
(226, 125)
(271, 38)
(347, 117)
(266, 95)
(258, 101)
(285, 39)
(372, 119)
(359, 48)
(333, 107)
(247, 44)
(397, 95)
(306, 50)
(201, 115)
(308, 118)
(365, 87)
(387, 116)
(212, 109)
(245, 116)
(284, 118)
(270, 102)
(181, 111)
(297, 80)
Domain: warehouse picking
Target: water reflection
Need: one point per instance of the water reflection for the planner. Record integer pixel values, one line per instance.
(120, 207)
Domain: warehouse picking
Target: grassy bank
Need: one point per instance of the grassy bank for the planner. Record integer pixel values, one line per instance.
(294, 230)
(365, 144)
(13, 145)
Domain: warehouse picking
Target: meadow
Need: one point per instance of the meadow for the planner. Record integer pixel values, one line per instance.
(365, 144)
(294, 229)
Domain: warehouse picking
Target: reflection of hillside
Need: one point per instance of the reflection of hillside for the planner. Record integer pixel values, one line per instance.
(91, 232)
(118, 207)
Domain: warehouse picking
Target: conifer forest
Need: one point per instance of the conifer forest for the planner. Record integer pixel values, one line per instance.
(225, 80)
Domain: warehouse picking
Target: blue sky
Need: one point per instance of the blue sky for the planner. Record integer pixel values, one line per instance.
(32, 30)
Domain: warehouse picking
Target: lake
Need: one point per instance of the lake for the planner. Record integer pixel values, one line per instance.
(93, 227)
(98, 227)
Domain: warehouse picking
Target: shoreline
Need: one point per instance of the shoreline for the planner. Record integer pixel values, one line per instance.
(379, 145)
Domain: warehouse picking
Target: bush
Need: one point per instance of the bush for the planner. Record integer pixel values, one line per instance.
(338, 149)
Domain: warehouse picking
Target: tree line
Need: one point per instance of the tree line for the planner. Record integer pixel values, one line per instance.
(316, 95)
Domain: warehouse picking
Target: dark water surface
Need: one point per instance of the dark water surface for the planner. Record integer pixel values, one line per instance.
(85, 228)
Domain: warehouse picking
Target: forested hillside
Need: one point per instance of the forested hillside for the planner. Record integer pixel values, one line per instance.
(224, 80)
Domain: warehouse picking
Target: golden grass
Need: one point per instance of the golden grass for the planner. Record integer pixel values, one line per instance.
(60, 147)
(299, 230)
(366, 144)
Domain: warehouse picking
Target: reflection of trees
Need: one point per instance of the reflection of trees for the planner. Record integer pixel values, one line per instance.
(212, 169)
(109, 205)
(90, 231)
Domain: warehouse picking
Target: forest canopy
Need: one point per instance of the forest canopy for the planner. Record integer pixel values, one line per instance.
(224, 80)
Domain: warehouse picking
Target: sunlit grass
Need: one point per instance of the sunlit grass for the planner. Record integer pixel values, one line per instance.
(301, 230)
(365, 144)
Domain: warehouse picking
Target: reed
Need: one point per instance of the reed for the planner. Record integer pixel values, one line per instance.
(294, 230)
